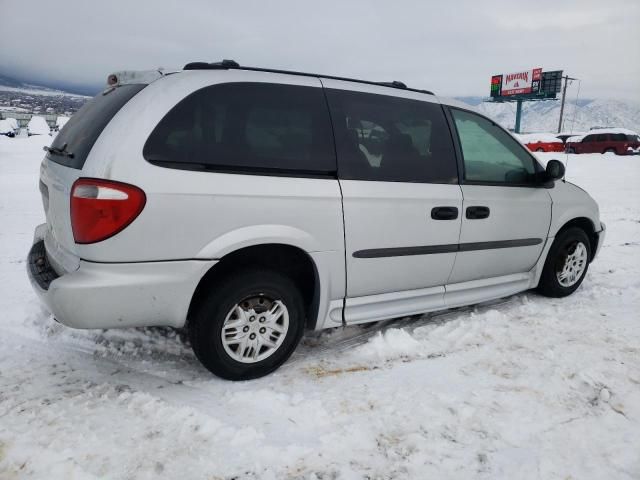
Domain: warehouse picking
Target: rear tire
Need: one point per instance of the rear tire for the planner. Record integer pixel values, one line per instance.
(610, 150)
(566, 264)
(232, 331)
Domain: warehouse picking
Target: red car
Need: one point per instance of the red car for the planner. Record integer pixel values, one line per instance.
(619, 141)
(542, 142)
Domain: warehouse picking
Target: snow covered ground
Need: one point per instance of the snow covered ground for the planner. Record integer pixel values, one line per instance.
(526, 387)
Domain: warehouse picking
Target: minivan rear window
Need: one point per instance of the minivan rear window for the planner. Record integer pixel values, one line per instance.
(85, 126)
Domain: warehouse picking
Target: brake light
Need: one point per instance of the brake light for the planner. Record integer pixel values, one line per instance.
(102, 208)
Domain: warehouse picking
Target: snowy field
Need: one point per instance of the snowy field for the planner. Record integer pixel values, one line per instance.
(526, 387)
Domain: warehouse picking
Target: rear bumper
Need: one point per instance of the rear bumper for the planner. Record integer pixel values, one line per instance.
(114, 295)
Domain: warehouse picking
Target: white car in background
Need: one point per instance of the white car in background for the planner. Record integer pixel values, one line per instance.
(38, 126)
(249, 204)
(14, 124)
(61, 121)
(6, 128)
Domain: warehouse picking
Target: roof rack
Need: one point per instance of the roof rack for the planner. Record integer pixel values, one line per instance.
(233, 65)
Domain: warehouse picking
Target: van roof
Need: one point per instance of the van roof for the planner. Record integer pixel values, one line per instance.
(232, 64)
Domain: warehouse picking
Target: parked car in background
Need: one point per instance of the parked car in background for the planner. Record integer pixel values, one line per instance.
(38, 126)
(61, 121)
(14, 124)
(608, 140)
(541, 142)
(6, 129)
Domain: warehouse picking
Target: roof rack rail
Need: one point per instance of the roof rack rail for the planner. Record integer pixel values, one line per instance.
(232, 64)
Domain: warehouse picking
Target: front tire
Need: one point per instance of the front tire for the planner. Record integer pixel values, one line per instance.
(249, 325)
(566, 264)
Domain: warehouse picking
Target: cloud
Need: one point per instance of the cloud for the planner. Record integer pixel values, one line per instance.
(558, 19)
(449, 47)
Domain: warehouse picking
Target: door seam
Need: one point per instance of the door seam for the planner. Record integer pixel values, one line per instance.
(455, 258)
(344, 226)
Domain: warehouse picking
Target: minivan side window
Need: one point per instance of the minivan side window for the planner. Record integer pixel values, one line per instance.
(391, 139)
(261, 127)
(491, 155)
(601, 137)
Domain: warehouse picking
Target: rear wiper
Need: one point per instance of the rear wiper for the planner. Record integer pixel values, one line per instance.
(62, 151)
(177, 164)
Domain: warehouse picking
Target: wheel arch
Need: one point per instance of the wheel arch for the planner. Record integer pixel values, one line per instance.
(588, 227)
(282, 257)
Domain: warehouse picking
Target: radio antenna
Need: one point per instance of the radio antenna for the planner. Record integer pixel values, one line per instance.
(573, 121)
(575, 105)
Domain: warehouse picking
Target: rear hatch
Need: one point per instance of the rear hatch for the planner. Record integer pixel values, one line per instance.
(633, 140)
(63, 165)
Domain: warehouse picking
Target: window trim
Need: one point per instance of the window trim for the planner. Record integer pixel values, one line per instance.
(390, 95)
(460, 155)
(248, 170)
(237, 170)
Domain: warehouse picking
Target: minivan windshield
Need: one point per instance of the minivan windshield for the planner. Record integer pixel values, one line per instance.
(74, 142)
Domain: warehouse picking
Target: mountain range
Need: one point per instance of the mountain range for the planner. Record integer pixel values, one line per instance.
(11, 84)
(579, 115)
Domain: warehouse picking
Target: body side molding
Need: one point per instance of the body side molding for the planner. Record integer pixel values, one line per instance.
(454, 247)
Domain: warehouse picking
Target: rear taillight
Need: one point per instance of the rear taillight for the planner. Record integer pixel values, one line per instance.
(101, 208)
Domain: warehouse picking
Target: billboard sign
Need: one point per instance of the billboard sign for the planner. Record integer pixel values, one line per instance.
(496, 86)
(551, 82)
(531, 84)
(521, 83)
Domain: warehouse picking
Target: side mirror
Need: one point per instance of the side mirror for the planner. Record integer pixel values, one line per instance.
(555, 170)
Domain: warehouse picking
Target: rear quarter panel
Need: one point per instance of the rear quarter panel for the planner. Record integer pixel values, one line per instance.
(192, 214)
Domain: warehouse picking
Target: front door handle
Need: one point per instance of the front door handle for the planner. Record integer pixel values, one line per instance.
(444, 213)
(477, 213)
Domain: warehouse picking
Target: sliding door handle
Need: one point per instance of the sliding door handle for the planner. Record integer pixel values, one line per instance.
(444, 213)
(477, 213)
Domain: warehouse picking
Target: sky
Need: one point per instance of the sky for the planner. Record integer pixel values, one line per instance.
(451, 47)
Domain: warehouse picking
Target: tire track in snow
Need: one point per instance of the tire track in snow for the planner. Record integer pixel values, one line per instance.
(179, 380)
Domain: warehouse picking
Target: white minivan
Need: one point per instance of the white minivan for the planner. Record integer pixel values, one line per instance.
(250, 204)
